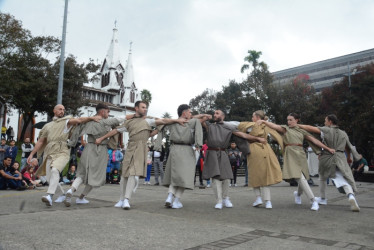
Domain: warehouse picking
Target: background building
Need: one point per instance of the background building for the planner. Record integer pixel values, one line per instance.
(325, 73)
(114, 85)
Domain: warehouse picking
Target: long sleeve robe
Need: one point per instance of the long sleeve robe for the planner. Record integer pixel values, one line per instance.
(263, 165)
(337, 139)
(295, 161)
(216, 163)
(181, 163)
(94, 159)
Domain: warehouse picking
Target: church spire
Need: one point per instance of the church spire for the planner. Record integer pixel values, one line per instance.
(129, 70)
(113, 64)
(130, 91)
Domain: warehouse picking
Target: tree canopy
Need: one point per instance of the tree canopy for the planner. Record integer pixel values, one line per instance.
(28, 79)
(354, 106)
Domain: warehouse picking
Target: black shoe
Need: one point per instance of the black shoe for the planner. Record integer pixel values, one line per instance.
(22, 188)
(245, 185)
(157, 184)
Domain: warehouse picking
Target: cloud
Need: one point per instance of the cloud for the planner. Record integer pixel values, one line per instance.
(182, 47)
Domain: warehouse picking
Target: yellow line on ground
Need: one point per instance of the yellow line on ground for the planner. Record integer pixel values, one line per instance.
(20, 193)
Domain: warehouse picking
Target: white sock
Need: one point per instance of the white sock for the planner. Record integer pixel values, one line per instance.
(176, 199)
(170, 196)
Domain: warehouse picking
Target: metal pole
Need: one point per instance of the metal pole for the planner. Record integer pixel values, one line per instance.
(349, 75)
(62, 56)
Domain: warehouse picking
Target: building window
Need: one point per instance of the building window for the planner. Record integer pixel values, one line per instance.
(132, 96)
(103, 81)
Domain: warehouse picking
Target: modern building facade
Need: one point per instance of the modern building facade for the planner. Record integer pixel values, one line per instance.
(325, 73)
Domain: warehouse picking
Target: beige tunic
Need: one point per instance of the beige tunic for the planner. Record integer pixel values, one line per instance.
(94, 159)
(56, 147)
(135, 160)
(181, 163)
(263, 165)
(295, 161)
(337, 139)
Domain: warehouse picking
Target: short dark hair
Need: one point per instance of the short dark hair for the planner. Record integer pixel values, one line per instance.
(101, 106)
(295, 115)
(182, 108)
(223, 111)
(137, 103)
(12, 140)
(332, 118)
(7, 157)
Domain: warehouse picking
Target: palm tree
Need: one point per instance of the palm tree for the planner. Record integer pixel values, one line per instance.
(166, 115)
(252, 59)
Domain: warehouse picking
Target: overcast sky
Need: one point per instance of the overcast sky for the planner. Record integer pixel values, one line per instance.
(182, 47)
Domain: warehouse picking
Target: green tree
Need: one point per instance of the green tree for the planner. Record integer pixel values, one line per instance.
(257, 85)
(28, 80)
(354, 107)
(75, 75)
(297, 97)
(204, 103)
(252, 60)
(166, 115)
(146, 95)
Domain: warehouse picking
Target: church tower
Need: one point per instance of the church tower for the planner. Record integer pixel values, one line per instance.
(129, 93)
(112, 72)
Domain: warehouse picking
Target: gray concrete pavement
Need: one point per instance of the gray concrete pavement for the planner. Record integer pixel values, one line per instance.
(26, 223)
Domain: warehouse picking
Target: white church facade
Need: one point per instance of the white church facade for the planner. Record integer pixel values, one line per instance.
(114, 86)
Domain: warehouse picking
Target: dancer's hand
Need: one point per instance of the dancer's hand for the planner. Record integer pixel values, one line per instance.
(98, 141)
(96, 118)
(262, 140)
(331, 150)
(259, 122)
(182, 121)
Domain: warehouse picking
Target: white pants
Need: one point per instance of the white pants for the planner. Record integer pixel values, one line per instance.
(53, 178)
(339, 181)
(265, 191)
(176, 191)
(221, 189)
(77, 182)
(127, 186)
(304, 187)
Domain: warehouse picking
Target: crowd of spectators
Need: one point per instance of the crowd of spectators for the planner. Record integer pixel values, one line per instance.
(22, 176)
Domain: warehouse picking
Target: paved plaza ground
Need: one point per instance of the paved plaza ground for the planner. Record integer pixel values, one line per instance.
(26, 223)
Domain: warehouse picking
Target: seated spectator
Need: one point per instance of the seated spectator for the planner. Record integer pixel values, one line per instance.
(358, 167)
(71, 175)
(115, 177)
(10, 177)
(30, 178)
(16, 166)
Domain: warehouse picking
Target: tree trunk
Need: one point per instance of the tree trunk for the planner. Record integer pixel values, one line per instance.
(26, 120)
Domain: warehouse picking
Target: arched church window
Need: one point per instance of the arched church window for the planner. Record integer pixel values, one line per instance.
(122, 94)
(118, 79)
(103, 81)
(132, 96)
